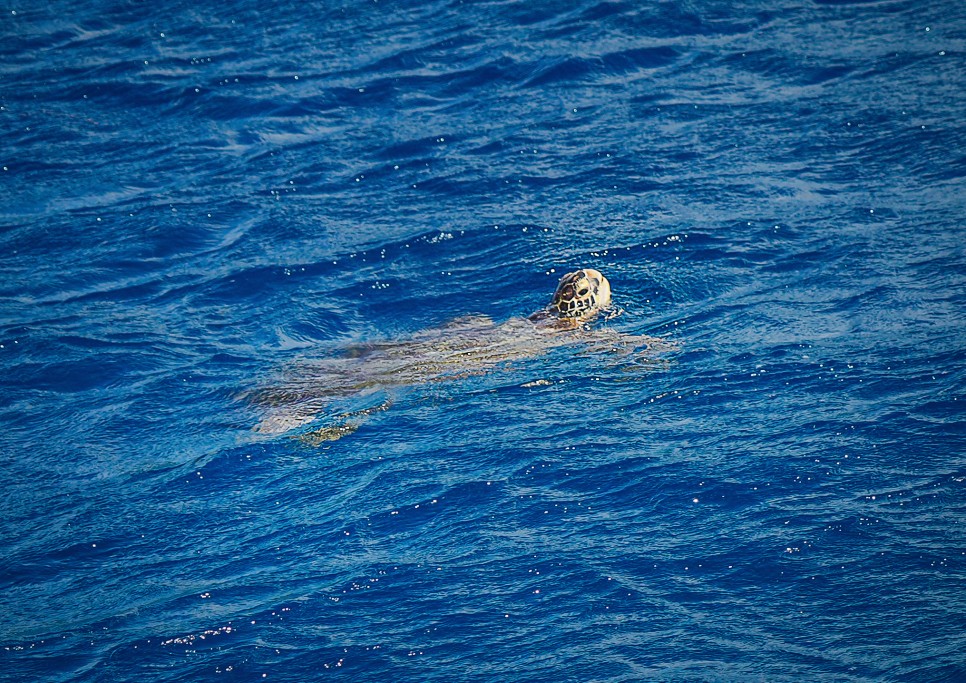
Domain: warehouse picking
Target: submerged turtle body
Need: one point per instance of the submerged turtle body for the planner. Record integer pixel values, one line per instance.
(463, 348)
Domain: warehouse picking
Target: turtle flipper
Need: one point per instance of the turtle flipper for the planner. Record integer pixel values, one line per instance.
(319, 436)
(346, 424)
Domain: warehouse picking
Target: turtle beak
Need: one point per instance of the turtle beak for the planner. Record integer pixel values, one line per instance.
(601, 287)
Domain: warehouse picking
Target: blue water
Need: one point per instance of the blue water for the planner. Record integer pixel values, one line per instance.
(196, 195)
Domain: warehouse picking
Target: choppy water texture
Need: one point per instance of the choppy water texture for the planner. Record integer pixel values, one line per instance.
(198, 196)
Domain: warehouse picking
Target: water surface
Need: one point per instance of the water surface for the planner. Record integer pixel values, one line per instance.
(197, 195)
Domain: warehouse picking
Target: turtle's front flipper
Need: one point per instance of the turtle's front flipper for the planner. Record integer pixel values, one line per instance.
(348, 423)
(319, 436)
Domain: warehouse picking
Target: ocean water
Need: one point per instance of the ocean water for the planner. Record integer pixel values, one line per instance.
(199, 195)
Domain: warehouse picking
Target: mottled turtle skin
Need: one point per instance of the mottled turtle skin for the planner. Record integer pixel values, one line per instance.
(465, 347)
(579, 296)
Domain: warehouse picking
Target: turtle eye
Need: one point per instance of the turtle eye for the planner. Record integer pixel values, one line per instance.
(583, 292)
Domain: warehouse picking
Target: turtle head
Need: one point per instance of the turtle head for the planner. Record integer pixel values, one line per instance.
(580, 295)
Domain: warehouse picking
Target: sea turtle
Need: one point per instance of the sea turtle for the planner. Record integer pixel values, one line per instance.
(465, 347)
